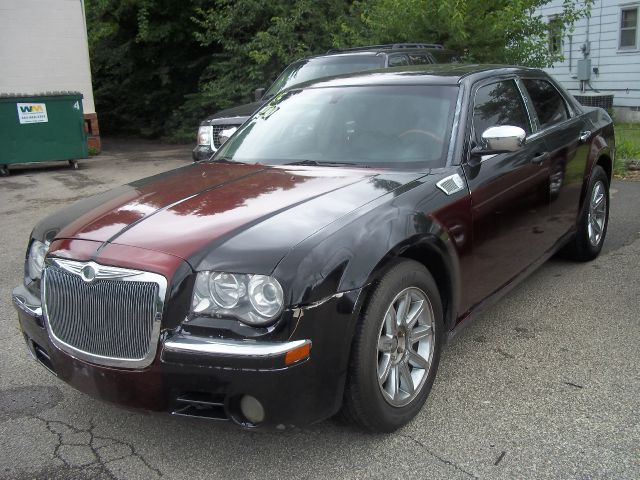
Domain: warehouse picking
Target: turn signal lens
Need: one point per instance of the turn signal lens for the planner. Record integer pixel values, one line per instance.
(300, 353)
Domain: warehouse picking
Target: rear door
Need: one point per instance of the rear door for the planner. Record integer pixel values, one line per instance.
(566, 137)
(508, 193)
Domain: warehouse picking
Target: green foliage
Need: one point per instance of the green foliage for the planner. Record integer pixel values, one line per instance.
(627, 147)
(258, 39)
(145, 62)
(160, 66)
(485, 31)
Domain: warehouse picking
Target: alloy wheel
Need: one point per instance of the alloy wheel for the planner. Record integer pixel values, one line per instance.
(597, 213)
(405, 347)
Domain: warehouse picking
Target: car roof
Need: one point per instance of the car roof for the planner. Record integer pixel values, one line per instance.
(375, 50)
(436, 74)
(390, 47)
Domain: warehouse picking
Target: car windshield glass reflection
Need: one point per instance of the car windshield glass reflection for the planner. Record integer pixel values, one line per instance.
(380, 126)
(314, 68)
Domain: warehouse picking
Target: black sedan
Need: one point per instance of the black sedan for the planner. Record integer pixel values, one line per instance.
(319, 262)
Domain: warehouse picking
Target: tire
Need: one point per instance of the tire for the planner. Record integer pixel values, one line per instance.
(385, 406)
(586, 244)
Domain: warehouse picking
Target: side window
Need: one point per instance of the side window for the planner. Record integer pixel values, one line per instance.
(499, 104)
(418, 59)
(548, 103)
(398, 60)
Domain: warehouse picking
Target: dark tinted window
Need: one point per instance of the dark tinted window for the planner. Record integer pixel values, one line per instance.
(548, 103)
(419, 59)
(499, 104)
(398, 60)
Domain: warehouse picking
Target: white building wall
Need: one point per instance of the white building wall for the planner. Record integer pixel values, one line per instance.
(618, 69)
(43, 47)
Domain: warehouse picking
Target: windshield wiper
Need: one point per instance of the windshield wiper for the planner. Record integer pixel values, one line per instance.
(316, 163)
(223, 160)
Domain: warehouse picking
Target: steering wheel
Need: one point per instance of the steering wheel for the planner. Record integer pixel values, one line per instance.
(427, 133)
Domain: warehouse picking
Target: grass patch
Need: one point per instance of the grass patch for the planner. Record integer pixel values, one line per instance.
(627, 146)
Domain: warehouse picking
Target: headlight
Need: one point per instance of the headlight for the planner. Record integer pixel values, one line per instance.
(35, 262)
(205, 136)
(252, 299)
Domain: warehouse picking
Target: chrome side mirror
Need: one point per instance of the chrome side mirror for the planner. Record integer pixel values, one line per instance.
(504, 138)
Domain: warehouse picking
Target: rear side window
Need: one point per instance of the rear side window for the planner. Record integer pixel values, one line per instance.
(548, 103)
(498, 104)
(419, 59)
(398, 60)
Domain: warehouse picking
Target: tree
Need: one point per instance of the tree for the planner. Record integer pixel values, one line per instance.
(485, 31)
(257, 39)
(160, 66)
(145, 61)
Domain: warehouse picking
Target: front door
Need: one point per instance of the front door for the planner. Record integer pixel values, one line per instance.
(508, 195)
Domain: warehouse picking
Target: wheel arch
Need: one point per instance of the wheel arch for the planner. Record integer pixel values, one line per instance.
(605, 161)
(435, 254)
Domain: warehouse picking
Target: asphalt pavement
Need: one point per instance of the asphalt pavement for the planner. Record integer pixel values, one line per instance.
(545, 384)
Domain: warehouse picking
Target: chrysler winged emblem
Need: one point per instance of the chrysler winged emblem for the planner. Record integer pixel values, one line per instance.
(88, 273)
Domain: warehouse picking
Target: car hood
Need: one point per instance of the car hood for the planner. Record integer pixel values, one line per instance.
(242, 111)
(193, 210)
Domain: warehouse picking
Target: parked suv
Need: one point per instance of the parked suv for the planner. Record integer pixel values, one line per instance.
(216, 128)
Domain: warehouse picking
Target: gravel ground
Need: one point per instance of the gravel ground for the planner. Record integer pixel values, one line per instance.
(545, 384)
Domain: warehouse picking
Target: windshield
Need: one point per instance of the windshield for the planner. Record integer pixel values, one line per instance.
(314, 68)
(378, 126)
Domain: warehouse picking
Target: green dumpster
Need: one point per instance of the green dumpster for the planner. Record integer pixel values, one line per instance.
(41, 128)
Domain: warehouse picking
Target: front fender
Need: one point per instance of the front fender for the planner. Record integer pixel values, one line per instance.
(352, 253)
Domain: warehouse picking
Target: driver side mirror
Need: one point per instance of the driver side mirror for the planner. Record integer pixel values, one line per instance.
(259, 93)
(501, 139)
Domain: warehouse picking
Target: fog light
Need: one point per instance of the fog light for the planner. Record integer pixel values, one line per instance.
(252, 409)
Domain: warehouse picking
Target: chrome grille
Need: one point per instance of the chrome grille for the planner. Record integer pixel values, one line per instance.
(111, 321)
(216, 130)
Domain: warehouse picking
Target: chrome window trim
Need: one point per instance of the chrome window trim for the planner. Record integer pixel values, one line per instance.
(112, 273)
(533, 117)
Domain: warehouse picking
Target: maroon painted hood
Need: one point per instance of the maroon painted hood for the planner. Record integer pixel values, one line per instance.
(181, 211)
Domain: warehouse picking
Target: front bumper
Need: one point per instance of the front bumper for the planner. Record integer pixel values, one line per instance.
(207, 377)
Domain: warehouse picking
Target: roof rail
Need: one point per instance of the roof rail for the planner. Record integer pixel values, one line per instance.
(388, 46)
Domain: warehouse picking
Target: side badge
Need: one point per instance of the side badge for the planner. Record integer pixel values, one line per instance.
(451, 184)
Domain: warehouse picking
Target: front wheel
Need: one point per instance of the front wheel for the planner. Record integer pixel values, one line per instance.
(593, 220)
(396, 350)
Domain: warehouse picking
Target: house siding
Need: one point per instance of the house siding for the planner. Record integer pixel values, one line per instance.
(618, 70)
(43, 48)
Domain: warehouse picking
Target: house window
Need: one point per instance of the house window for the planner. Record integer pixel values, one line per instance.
(555, 35)
(628, 27)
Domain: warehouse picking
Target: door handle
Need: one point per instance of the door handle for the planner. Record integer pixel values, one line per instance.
(584, 136)
(540, 157)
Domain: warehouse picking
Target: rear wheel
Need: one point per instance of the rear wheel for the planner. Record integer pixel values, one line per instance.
(594, 219)
(396, 350)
